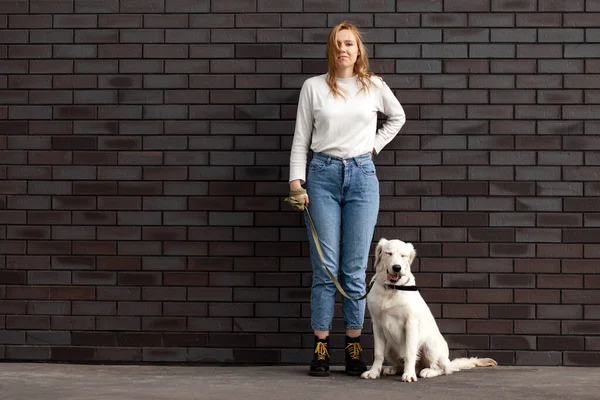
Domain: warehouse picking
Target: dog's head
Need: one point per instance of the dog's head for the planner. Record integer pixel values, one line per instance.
(392, 261)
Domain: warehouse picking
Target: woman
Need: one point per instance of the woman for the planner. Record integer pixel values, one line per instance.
(337, 119)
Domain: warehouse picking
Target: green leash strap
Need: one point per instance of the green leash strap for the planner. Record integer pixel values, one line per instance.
(298, 204)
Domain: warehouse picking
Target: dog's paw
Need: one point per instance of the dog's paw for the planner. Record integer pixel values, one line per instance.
(409, 377)
(370, 374)
(428, 373)
(390, 370)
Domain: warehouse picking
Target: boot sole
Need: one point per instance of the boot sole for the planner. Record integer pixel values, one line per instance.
(316, 373)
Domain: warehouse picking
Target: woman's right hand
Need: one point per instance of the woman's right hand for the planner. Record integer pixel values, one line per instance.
(304, 196)
(295, 185)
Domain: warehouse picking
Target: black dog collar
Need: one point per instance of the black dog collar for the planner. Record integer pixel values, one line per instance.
(403, 288)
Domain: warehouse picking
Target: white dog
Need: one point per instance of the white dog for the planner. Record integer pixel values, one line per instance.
(404, 330)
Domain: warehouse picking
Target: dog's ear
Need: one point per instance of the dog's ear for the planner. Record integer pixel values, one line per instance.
(413, 254)
(379, 253)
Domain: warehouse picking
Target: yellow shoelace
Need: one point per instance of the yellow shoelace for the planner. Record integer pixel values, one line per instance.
(354, 349)
(321, 350)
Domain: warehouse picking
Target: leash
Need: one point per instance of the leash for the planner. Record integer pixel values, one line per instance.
(298, 204)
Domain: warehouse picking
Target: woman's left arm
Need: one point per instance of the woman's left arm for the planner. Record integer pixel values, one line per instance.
(391, 107)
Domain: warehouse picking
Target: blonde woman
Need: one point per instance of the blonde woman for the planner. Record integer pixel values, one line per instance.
(337, 120)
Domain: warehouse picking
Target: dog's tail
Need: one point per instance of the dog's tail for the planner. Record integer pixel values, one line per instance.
(467, 363)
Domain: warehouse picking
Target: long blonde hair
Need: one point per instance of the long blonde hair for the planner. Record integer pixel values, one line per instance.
(361, 67)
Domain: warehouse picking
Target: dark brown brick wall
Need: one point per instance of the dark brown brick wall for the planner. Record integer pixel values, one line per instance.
(144, 159)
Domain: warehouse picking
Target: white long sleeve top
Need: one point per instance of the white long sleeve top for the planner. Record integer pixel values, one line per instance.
(342, 127)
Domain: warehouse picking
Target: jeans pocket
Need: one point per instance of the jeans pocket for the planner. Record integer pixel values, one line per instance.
(316, 166)
(368, 167)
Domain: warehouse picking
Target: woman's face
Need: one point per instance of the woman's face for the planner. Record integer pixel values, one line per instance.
(348, 49)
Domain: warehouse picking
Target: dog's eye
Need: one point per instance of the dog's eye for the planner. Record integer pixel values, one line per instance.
(404, 255)
(389, 253)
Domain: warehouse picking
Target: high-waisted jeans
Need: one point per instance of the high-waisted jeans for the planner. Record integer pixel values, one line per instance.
(343, 203)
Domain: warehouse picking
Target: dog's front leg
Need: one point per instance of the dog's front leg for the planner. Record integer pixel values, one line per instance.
(379, 350)
(411, 350)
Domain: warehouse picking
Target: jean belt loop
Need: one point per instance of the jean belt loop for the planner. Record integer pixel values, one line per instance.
(328, 160)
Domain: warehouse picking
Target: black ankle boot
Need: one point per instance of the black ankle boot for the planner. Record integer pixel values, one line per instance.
(319, 366)
(354, 364)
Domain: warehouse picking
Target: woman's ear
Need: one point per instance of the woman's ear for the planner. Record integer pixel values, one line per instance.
(379, 253)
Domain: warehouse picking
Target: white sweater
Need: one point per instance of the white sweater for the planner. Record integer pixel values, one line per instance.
(339, 127)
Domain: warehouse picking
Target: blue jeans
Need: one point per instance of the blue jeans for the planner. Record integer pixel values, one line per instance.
(343, 203)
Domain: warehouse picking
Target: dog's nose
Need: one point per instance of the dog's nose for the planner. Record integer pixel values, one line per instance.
(396, 268)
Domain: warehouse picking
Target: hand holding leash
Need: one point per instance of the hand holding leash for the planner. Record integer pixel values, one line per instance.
(298, 199)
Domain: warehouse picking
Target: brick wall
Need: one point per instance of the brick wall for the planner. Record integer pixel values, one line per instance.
(144, 158)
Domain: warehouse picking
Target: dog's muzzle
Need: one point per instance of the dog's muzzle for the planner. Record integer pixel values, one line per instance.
(395, 276)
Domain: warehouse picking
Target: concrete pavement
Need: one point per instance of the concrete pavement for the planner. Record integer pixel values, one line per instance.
(39, 381)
